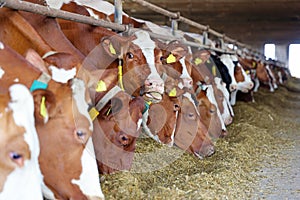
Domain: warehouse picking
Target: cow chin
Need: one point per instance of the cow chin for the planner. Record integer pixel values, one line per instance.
(154, 97)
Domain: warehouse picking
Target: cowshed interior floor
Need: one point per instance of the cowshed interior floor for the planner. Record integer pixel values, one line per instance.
(258, 160)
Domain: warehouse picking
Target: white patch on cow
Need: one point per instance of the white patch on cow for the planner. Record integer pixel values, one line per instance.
(2, 72)
(228, 110)
(61, 75)
(280, 77)
(22, 107)
(227, 61)
(211, 97)
(89, 178)
(180, 85)
(173, 132)
(146, 128)
(92, 14)
(78, 88)
(16, 80)
(56, 4)
(184, 73)
(101, 6)
(139, 123)
(147, 46)
(257, 84)
(189, 97)
(1, 45)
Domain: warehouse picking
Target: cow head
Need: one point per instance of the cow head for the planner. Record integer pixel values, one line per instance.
(19, 146)
(116, 131)
(137, 56)
(191, 134)
(67, 158)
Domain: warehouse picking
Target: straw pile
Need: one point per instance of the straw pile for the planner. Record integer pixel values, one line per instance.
(233, 172)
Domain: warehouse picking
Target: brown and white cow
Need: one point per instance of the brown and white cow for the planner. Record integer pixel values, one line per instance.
(19, 145)
(66, 158)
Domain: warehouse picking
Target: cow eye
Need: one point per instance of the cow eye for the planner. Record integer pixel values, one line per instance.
(15, 155)
(81, 135)
(17, 158)
(130, 55)
(191, 115)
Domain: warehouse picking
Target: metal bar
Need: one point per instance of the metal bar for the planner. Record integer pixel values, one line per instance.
(118, 12)
(190, 22)
(43, 10)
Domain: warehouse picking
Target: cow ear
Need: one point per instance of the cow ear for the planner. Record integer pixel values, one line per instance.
(36, 60)
(44, 105)
(110, 47)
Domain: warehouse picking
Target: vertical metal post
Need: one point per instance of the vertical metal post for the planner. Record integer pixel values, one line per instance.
(205, 37)
(118, 11)
(174, 25)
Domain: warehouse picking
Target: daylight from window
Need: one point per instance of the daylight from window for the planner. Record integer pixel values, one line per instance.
(294, 60)
(270, 51)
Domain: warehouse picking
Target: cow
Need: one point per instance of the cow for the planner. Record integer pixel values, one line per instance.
(66, 159)
(69, 59)
(217, 93)
(117, 123)
(19, 146)
(177, 57)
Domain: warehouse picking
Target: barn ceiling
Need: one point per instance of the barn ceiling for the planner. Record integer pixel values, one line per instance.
(253, 22)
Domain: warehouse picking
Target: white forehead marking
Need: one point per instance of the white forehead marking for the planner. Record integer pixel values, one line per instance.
(2, 72)
(189, 97)
(62, 75)
(227, 61)
(228, 110)
(78, 88)
(147, 46)
(16, 80)
(89, 180)
(1, 45)
(184, 73)
(211, 97)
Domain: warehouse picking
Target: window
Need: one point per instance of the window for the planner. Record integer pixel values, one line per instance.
(294, 60)
(270, 51)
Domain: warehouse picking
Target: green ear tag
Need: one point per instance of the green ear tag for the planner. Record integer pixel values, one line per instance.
(171, 59)
(43, 109)
(112, 49)
(173, 93)
(101, 86)
(198, 61)
(214, 70)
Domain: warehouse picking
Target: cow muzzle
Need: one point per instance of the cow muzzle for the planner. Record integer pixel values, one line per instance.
(153, 90)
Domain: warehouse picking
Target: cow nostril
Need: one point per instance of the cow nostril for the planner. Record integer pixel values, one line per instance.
(124, 138)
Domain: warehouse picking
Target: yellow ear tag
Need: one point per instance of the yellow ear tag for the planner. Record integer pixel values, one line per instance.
(198, 61)
(247, 72)
(253, 64)
(43, 109)
(172, 93)
(112, 49)
(171, 59)
(214, 70)
(101, 86)
(93, 113)
(208, 61)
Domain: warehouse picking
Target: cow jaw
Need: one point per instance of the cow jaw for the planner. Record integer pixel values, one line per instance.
(88, 181)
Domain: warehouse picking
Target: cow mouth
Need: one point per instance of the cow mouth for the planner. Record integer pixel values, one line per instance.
(154, 97)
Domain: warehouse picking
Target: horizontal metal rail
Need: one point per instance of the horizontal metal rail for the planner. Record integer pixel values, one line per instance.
(51, 12)
(206, 28)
